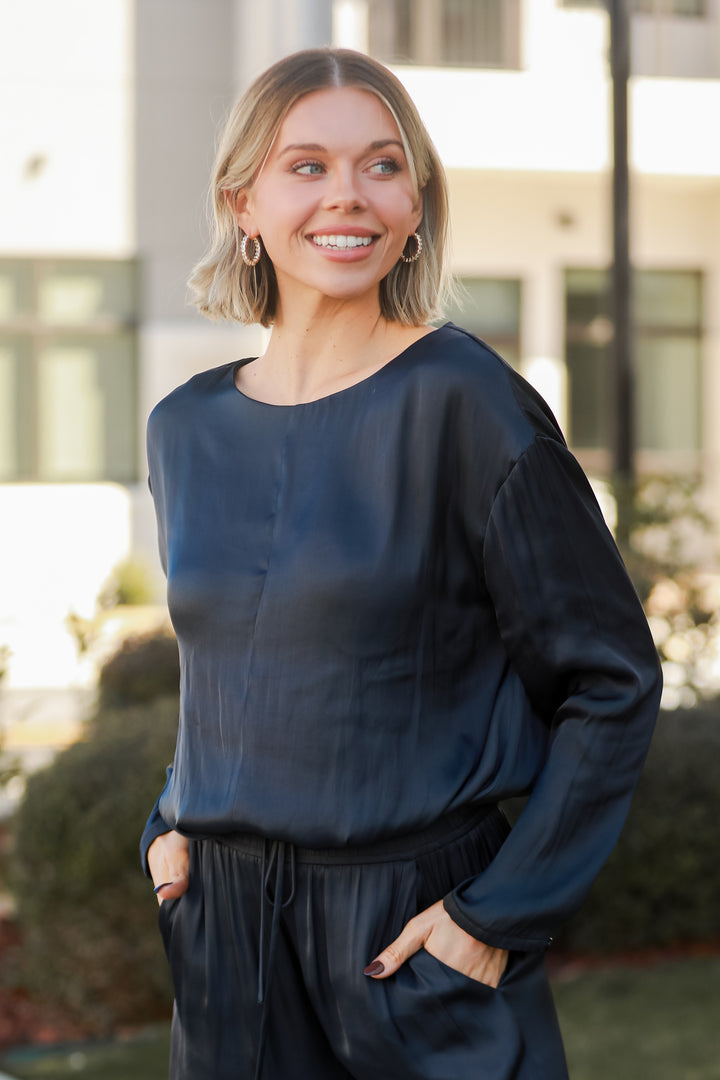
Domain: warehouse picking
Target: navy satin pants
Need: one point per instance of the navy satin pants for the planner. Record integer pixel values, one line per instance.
(267, 950)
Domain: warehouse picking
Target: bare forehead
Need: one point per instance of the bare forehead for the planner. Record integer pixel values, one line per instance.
(343, 116)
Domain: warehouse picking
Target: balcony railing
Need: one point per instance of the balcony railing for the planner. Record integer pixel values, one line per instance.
(454, 33)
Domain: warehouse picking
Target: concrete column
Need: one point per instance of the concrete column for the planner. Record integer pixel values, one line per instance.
(711, 379)
(183, 88)
(350, 24)
(274, 28)
(427, 31)
(543, 333)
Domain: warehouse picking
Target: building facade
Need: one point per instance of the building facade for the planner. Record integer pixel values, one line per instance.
(110, 110)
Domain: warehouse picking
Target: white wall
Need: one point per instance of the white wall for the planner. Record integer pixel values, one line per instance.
(58, 545)
(66, 127)
(558, 120)
(555, 114)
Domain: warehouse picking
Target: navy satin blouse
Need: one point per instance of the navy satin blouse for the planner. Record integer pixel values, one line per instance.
(392, 602)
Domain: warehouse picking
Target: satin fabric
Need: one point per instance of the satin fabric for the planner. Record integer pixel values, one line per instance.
(394, 602)
(324, 1018)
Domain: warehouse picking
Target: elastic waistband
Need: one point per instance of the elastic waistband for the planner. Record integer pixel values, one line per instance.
(394, 849)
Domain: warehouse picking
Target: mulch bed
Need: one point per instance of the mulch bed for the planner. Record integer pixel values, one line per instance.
(568, 965)
(24, 1021)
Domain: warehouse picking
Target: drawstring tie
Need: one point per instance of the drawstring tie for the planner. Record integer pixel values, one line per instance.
(276, 860)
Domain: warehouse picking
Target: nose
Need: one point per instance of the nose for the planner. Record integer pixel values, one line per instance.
(344, 191)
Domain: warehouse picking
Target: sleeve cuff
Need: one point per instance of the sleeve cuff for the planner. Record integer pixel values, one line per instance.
(491, 937)
(156, 826)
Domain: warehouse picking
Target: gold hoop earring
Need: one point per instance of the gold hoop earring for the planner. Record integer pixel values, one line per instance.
(418, 248)
(254, 259)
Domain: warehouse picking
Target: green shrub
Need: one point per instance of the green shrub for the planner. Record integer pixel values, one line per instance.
(87, 911)
(666, 538)
(129, 583)
(662, 883)
(145, 666)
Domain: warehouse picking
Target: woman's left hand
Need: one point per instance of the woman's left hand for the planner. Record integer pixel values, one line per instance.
(434, 931)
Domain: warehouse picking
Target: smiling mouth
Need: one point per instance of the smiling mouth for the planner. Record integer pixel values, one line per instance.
(342, 241)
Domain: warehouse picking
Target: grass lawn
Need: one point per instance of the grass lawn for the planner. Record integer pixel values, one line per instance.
(620, 1024)
(660, 1022)
(144, 1057)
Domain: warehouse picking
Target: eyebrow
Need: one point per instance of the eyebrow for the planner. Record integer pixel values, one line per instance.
(316, 148)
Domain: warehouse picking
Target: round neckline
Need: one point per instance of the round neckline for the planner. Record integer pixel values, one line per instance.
(237, 364)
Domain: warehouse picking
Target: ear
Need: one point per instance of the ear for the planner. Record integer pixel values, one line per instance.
(239, 203)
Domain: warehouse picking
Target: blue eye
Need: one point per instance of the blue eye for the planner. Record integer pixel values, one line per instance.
(385, 167)
(307, 168)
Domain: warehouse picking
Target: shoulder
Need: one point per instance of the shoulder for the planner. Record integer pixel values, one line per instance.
(488, 396)
(188, 397)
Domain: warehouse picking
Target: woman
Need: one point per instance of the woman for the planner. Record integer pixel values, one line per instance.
(396, 603)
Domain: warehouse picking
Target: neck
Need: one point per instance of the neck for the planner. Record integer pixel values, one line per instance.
(316, 349)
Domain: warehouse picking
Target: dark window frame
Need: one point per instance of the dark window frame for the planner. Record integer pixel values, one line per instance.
(656, 8)
(27, 329)
(582, 333)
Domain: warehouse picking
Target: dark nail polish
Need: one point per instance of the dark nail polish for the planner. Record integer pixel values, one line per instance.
(376, 968)
(159, 887)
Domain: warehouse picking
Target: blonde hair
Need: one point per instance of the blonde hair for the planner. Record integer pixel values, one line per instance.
(223, 286)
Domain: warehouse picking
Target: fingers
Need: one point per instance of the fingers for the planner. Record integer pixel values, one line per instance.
(169, 862)
(170, 890)
(434, 930)
(494, 971)
(410, 940)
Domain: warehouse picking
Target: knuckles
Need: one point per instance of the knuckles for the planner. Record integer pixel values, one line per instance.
(394, 954)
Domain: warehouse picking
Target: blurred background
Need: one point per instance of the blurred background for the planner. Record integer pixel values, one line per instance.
(109, 112)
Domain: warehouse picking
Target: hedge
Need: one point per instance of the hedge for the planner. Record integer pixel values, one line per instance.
(146, 666)
(661, 885)
(87, 911)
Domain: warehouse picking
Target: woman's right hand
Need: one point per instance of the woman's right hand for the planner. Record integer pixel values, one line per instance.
(169, 861)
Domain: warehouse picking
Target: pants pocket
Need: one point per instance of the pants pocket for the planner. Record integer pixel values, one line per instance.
(165, 913)
(461, 1028)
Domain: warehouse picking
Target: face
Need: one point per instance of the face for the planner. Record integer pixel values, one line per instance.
(334, 203)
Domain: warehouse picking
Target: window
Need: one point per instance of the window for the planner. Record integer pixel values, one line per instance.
(668, 354)
(693, 8)
(67, 370)
(459, 33)
(490, 308)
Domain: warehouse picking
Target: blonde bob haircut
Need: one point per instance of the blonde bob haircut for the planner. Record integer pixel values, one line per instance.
(223, 286)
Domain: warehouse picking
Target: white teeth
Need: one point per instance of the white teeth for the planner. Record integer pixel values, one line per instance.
(342, 240)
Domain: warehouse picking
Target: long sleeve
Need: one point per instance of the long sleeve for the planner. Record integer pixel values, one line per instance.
(576, 635)
(156, 825)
